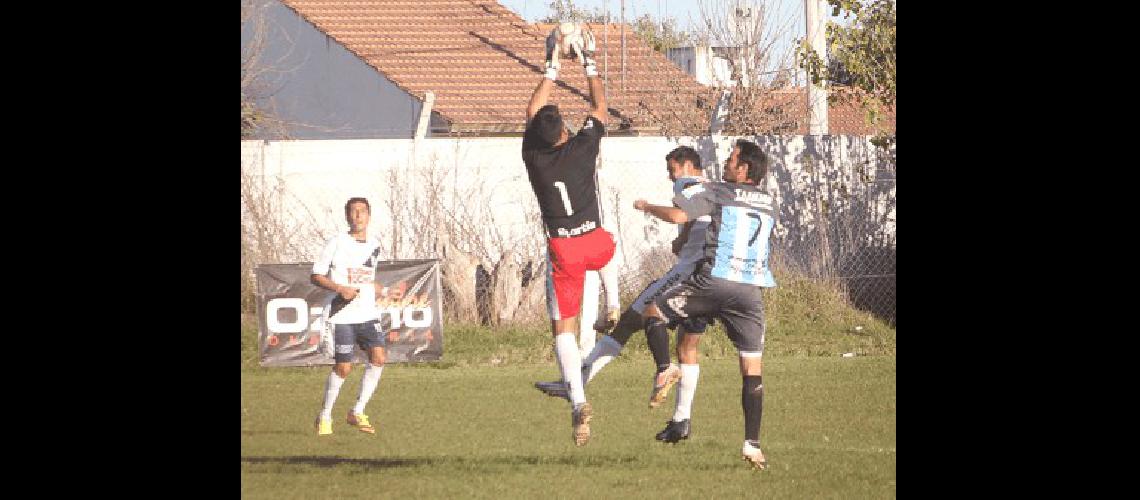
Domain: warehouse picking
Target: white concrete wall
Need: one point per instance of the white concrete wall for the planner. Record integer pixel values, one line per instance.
(705, 66)
(483, 181)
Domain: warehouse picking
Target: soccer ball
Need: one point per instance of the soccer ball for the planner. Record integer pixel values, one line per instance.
(570, 34)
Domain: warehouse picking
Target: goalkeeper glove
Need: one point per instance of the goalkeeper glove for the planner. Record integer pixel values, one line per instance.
(552, 50)
(585, 47)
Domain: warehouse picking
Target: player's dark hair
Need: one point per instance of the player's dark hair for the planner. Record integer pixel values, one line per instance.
(348, 205)
(548, 124)
(681, 154)
(757, 161)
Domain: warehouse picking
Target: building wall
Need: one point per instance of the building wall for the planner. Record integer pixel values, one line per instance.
(818, 181)
(705, 66)
(836, 198)
(323, 91)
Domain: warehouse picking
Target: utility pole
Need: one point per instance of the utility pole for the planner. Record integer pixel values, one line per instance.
(745, 22)
(816, 94)
(606, 54)
(623, 46)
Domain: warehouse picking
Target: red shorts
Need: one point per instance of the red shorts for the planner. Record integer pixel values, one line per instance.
(570, 258)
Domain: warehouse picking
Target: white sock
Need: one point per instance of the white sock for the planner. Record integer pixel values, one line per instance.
(604, 352)
(588, 313)
(570, 363)
(609, 275)
(332, 388)
(686, 388)
(748, 449)
(368, 386)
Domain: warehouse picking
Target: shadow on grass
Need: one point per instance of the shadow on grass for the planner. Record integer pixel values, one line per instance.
(255, 433)
(448, 461)
(372, 463)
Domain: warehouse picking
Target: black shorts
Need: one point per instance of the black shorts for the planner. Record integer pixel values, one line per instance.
(678, 273)
(346, 337)
(737, 305)
(694, 324)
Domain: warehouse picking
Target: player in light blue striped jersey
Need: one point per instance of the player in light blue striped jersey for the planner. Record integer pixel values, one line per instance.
(727, 282)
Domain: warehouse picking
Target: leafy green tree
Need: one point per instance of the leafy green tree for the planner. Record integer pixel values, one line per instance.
(862, 57)
(661, 35)
(562, 11)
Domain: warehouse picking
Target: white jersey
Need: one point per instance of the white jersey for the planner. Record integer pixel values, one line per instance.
(694, 248)
(351, 263)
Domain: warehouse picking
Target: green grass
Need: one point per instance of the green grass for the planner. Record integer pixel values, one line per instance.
(480, 430)
(471, 425)
(806, 317)
(828, 432)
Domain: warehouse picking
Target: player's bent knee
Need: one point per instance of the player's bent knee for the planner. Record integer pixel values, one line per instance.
(687, 356)
(566, 324)
(629, 320)
(651, 311)
(751, 363)
(343, 369)
(378, 356)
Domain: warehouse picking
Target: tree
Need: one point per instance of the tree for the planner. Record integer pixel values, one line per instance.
(747, 36)
(253, 21)
(749, 32)
(862, 57)
(660, 35)
(258, 76)
(563, 11)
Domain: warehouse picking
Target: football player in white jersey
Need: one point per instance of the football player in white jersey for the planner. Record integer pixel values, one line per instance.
(347, 266)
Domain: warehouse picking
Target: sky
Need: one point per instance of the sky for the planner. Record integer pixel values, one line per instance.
(687, 13)
(683, 11)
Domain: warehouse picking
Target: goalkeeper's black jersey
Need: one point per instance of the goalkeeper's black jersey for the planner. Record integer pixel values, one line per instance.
(564, 179)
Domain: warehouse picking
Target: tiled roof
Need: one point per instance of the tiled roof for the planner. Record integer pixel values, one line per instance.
(848, 119)
(482, 61)
(844, 118)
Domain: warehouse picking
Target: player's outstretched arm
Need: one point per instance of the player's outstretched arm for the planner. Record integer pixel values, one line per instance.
(542, 93)
(597, 98)
(585, 49)
(667, 214)
(538, 98)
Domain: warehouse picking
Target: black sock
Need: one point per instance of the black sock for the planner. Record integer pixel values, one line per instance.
(629, 322)
(658, 337)
(752, 400)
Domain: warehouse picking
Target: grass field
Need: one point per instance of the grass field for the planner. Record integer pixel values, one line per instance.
(472, 425)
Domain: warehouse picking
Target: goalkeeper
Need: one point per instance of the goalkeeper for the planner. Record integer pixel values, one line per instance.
(563, 174)
(683, 164)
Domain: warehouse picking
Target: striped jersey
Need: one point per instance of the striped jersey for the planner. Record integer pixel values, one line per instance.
(736, 243)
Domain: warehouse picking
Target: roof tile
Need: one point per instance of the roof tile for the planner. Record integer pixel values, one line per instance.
(483, 61)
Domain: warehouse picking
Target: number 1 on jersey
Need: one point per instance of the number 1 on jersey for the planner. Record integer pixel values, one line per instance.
(565, 197)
